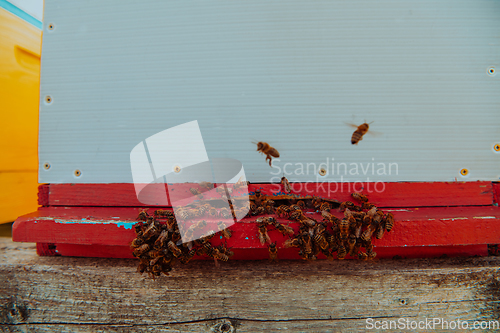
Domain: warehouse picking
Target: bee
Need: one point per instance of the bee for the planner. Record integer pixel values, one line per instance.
(367, 205)
(351, 241)
(225, 213)
(143, 215)
(359, 132)
(284, 229)
(371, 255)
(362, 256)
(344, 228)
(150, 232)
(163, 213)
(293, 242)
(273, 252)
(136, 243)
(307, 221)
(389, 222)
(341, 252)
(196, 192)
(369, 216)
(207, 185)
(327, 254)
(204, 209)
(161, 240)
(265, 148)
(296, 215)
(320, 240)
(174, 249)
(367, 234)
(379, 233)
(286, 185)
(359, 197)
(223, 230)
(307, 243)
(183, 214)
(240, 184)
(283, 210)
(188, 256)
(325, 206)
(141, 250)
(263, 235)
(259, 210)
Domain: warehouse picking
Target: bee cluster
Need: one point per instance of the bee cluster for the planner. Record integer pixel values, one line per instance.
(157, 243)
(331, 235)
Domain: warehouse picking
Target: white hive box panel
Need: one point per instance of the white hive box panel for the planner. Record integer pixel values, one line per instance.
(289, 73)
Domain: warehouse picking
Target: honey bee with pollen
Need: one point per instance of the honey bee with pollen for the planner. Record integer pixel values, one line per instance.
(266, 149)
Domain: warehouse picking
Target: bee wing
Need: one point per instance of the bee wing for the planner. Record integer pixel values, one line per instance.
(352, 125)
(374, 133)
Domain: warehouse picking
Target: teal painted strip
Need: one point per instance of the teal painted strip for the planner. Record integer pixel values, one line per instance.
(126, 225)
(20, 13)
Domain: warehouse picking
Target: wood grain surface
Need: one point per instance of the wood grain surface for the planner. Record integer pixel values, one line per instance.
(65, 294)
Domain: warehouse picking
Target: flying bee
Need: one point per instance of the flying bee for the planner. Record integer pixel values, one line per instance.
(263, 235)
(286, 185)
(389, 222)
(359, 132)
(359, 197)
(266, 149)
(143, 215)
(273, 252)
(223, 230)
(174, 249)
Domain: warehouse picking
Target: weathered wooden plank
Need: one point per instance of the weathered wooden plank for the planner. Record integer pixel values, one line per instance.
(388, 194)
(70, 294)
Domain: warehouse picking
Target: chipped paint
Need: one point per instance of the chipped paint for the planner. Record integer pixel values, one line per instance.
(454, 218)
(484, 217)
(398, 210)
(126, 225)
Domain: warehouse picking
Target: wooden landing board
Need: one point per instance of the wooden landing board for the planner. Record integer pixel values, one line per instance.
(393, 194)
(58, 294)
(414, 228)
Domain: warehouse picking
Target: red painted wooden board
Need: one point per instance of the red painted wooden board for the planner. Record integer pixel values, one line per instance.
(400, 194)
(418, 228)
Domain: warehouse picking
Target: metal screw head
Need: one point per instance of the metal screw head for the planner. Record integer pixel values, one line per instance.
(48, 99)
(496, 147)
(177, 169)
(322, 172)
(50, 26)
(491, 71)
(77, 173)
(46, 165)
(464, 172)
